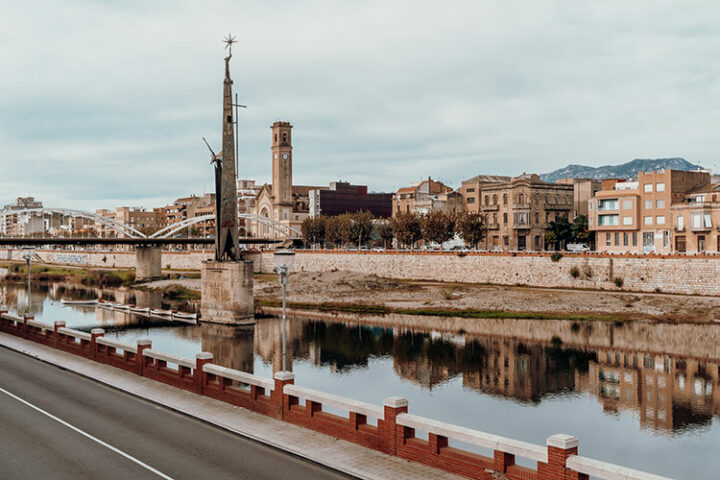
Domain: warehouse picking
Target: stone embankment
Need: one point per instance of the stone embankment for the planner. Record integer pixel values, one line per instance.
(692, 275)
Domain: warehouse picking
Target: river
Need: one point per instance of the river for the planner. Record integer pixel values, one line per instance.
(641, 395)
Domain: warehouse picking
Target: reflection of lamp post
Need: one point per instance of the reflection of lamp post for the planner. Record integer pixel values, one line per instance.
(283, 261)
(27, 254)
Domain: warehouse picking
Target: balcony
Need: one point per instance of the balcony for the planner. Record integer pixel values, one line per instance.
(558, 206)
(521, 226)
(521, 206)
(493, 226)
(489, 208)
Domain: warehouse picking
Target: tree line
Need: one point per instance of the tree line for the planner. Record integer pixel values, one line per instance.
(362, 228)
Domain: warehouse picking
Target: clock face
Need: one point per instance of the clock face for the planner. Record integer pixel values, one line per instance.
(285, 156)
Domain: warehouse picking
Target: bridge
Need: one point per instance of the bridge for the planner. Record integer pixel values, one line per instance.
(148, 264)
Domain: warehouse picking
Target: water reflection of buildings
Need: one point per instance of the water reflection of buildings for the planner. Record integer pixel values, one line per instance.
(669, 393)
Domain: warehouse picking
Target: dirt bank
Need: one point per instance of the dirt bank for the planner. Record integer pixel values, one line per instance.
(356, 289)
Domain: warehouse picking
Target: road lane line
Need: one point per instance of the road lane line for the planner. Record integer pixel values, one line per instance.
(87, 435)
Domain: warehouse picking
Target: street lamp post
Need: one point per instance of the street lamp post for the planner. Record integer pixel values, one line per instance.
(283, 261)
(28, 253)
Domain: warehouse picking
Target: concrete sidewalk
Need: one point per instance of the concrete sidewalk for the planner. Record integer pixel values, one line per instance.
(337, 454)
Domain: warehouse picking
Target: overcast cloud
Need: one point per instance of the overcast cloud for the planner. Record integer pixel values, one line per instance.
(104, 104)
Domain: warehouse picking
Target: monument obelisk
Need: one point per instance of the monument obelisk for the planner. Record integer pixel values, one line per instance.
(227, 281)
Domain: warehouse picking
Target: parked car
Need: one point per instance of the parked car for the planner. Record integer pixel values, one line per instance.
(577, 247)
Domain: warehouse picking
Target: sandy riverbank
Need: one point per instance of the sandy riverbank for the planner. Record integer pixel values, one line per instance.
(356, 288)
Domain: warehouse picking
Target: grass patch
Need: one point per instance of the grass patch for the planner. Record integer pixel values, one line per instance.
(179, 293)
(433, 312)
(53, 273)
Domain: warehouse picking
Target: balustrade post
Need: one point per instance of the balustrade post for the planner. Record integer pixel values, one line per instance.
(437, 442)
(390, 431)
(57, 326)
(559, 447)
(199, 375)
(94, 333)
(142, 344)
(277, 397)
(26, 327)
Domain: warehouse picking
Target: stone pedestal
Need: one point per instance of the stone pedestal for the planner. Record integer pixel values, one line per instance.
(227, 293)
(148, 265)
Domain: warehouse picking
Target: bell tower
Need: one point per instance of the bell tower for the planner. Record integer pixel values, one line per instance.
(282, 170)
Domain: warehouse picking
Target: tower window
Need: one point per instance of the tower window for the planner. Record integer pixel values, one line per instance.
(229, 119)
(284, 137)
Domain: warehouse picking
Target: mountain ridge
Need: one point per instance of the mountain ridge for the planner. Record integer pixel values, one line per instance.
(625, 170)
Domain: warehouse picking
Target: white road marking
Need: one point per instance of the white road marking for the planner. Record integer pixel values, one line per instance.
(87, 435)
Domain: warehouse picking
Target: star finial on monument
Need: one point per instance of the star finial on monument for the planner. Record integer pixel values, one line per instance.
(229, 40)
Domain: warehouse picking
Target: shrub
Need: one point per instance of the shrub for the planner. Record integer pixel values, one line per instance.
(618, 282)
(575, 272)
(555, 257)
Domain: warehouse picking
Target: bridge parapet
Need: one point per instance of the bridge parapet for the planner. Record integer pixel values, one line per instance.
(394, 433)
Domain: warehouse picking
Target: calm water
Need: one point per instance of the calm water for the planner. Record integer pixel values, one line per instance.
(643, 396)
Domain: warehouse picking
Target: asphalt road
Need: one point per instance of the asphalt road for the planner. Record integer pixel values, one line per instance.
(99, 432)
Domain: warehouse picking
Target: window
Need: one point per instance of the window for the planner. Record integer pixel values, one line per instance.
(680, 223)
(609, 204)
(660, 203)
(701, 243)
(625, 239)
(696, 220)
(537, 218)
(606, 220)
(666, 238)
(470, 190)
(504, 198)
(659, 187)
(648, 241)
(648, 204)
(505, 218)
(591, 222)
(647, 187)
(627, 204)
(470, 200)
(494, 199)
(521, 198)
(647, 220)
(708, 220)
(487, 200)
(634, 239)
(607, 239)
(660, 220)
(617, 238)
(506, 240)
(627, 221)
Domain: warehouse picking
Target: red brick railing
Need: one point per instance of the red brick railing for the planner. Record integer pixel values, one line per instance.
(393, 432)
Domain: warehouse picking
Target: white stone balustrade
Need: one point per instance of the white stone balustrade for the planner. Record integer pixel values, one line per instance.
(74, 333)
(115, 344)
(474, 437)
(336, 401)
(167, 357)
(36, 324)
(607, 471)
(242, 377)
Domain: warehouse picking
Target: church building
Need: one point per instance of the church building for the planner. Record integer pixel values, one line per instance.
(281, 200)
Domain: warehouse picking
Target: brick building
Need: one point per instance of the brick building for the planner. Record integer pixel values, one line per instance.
(422, 197)
(636, 216)
(343, 197)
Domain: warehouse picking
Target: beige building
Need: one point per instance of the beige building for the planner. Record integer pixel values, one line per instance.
(636, 216)
(424, 196)
(517, 210)
(696, 220)
(281, 201)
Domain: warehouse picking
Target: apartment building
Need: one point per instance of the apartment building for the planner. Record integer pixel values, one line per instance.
(696, 220)
(14, 224)
(584, 189)
(518, 211)
(472, 189)
(422, 197)
(636, 216)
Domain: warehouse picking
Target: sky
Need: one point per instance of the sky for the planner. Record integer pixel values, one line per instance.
(104, 103)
